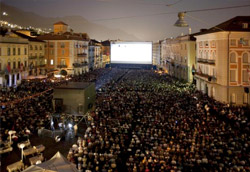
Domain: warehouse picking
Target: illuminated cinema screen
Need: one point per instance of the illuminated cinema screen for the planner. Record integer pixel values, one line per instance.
(131, 52)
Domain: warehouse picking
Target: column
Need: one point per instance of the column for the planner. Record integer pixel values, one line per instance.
(10, 80)
(15, 79)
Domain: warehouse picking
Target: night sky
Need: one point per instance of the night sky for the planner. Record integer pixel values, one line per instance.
(138, 17)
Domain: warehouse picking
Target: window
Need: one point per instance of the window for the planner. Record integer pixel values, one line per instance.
(19, 64)
(19, 51)
(244, 25)
(51, 62)
(25, 63)
(233, 98)
(213, 43)
(8, 52)
(233, 42)
(246, 42)
(233, 75)
(214, 72)
(14, 51)
(25, 51)
(45, 61)
(31, 48)
(213, 57)
(245, 76)
(62, 52)
(233, 58)
(14, 65)
(245, 58)
(35, 47)
(51, 52)
(41, 48)
(63, 62)
(62, 45)
(206, 43)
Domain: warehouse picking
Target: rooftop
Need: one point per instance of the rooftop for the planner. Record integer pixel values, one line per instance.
(60, 23)
(234, 24)
(64, 36)
(75, 85)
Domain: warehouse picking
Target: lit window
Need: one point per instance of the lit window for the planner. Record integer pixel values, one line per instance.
(233, 98)
(244, 25)
(51, 62)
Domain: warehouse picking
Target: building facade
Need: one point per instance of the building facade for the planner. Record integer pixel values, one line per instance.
(36, 60)
(178, 56)
(66, 51)
(13, 59)
(95, 56)
(156, 53)
(223, 60)
(105, 52)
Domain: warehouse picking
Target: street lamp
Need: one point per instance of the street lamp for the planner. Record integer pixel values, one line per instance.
(22, 146)
(10, 134)
(181, 22)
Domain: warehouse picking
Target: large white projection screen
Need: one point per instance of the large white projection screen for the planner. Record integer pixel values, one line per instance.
(131, 52)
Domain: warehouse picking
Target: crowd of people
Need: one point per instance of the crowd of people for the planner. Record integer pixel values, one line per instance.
(144, 121)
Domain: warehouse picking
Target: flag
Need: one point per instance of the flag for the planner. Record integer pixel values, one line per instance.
(21, 67)
(8, 68)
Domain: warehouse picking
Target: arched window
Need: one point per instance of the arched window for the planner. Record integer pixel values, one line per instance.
(245, 58)
(233, 58)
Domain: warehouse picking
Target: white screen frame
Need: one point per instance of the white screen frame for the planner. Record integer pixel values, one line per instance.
(130, 52)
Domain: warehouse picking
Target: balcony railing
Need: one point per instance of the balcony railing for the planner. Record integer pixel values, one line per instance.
(209, 61)
(62, 66)
(209, 78)
(80, 64)
(32, 57)
(82, 55)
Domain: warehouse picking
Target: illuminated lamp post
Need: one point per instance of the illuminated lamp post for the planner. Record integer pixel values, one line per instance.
(22, 146)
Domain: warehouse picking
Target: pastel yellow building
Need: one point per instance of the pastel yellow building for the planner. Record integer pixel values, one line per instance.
(66, 51)
(36, 60)
(178, 56)
(13, 59)
(223, 56)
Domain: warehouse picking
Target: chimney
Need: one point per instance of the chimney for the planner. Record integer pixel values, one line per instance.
(189, 31)
(203, 30)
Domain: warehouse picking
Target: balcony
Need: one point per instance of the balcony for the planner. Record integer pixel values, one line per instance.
(62, 66)
(80, 64)
(209, 78)
(207, 61)
(42, 65)
(82, 55)
(32, 57)
(41, 57)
